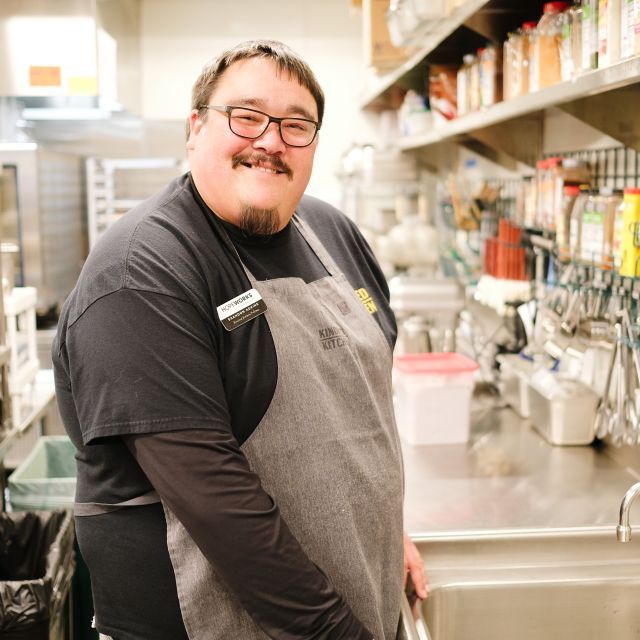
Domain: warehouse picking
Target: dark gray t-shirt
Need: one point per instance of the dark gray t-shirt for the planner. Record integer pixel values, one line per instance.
(140, 350)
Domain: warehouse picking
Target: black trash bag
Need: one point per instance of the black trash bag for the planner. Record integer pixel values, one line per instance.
(36, 566)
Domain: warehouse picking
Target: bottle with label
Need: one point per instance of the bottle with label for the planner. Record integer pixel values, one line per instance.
(489, 77)
(589, 35)
(611, 199)
(545, 70)
(575, 225)
(462, 85)
(563, 221)
(628, 20)
(630, 263)
(474, 85)
(522, 58)
(566, 46)
(592, 236)
(618, 232)
(575, 18)
(609, 25)
(507, 61)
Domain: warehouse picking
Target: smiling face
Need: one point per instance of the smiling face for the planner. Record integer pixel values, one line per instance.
(263, 177)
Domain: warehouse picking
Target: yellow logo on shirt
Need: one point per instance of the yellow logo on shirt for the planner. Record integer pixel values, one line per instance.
(366, 300)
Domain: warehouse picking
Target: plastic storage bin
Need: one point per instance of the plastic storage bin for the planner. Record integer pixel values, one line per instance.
(46, 480)
(36, 567)
(47, 477)
(433, 397)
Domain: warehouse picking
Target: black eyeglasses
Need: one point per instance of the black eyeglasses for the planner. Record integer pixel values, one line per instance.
(250, 123)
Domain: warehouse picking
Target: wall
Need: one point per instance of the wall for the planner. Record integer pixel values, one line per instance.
(178, 38)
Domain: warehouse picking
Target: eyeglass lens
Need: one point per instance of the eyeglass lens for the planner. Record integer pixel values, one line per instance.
(251, 124)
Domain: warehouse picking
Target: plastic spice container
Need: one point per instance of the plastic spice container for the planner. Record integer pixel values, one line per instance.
(463, 84)
(589, 35)
(489, 66)
(566, 46)
(575, 225)
(474, 84)
(545, 67)
(575, 19)
(609, 26)
(433, 397)
(563, 221)
(618, 233)
(631, 233)
(507, 62)
(628, 19)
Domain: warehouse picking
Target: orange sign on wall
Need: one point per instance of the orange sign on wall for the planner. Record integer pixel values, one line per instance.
(45, 76)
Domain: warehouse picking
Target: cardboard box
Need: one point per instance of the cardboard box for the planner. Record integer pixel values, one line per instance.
(379, 51)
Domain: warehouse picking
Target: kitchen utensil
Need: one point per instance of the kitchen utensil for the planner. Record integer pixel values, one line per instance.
(604, 412)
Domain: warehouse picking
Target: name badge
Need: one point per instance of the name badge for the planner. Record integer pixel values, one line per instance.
(241, 309)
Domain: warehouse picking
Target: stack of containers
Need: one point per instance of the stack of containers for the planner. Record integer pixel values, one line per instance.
(504, 258)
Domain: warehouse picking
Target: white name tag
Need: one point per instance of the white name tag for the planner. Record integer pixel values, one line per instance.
(241, 309)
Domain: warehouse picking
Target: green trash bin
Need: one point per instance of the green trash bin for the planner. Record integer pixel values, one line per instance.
(46, 479)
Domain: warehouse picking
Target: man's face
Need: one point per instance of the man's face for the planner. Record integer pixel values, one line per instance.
(235, 174)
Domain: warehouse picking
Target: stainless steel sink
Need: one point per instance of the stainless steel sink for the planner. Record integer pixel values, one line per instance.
(536, 584)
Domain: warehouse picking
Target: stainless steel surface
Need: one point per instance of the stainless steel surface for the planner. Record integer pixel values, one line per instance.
(565, 419)
(508, 477)
(623, 530)
(50, 219)
(535, 584)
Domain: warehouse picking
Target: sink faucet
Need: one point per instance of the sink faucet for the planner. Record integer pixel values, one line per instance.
(623, 530)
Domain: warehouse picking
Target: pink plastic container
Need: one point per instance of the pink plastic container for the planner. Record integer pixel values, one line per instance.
(433, 397)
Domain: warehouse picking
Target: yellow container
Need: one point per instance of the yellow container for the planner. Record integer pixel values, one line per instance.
(630, 265)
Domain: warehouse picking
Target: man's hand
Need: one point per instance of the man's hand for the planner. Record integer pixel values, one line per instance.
(414, 566)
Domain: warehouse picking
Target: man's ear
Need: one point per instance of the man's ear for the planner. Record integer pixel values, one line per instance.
(195, 124)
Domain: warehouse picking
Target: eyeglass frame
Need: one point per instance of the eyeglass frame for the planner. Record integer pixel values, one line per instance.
(227, 109)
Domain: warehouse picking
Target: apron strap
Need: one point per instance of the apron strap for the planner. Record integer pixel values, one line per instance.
(98, 508)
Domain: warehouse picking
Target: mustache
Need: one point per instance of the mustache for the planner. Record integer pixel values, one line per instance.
(273, 162)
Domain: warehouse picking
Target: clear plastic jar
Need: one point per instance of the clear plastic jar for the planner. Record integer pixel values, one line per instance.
(463, 84)
(489, 76)
(563, 220)
(507, 62)
(575, 225)
(609, 27)
(575, 19)
(474, 84)
(589, 35)
(545, 66)
(628, 19)
(566, 46)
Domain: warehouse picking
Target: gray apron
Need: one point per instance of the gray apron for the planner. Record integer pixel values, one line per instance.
(326, 451)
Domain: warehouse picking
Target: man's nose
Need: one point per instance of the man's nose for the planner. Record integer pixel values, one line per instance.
(270, 140)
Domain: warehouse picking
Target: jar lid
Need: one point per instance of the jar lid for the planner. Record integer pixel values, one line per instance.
(528, 26)
(571, 189)
(555, 7)
(632, 191)
(542, 164)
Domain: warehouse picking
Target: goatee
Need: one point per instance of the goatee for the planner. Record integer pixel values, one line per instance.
(259, 222)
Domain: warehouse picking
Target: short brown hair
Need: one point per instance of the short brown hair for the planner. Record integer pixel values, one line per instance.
(285, 58)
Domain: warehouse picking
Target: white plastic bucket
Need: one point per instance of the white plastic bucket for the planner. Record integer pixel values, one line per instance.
(433, 397)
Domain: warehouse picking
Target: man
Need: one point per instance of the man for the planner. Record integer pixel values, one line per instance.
(223, 368)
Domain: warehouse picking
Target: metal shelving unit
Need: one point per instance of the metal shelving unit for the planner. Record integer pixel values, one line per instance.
(428, 42)
(605, 99)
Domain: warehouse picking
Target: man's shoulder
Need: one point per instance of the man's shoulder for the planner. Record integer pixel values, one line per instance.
(322, 216)
(153, 248)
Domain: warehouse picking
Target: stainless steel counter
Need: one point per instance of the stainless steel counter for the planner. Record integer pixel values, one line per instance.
(508, 477)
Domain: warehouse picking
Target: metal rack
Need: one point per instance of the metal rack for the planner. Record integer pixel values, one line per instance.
(116, 185)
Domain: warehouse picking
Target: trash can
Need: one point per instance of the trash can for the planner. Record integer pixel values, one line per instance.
(36, 568)
(46, 479)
